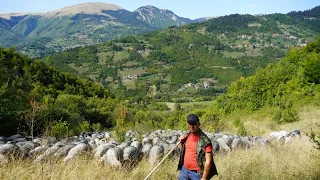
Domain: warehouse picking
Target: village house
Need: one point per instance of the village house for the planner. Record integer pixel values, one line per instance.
(206, 84)
(130, 77)
(187, 85)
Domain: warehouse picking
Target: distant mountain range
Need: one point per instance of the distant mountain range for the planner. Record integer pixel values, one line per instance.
(82, 24)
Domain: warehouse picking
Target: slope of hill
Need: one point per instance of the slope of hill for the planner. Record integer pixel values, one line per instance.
(32, 92)
(192, 62)
(293, 80)
(84, 24)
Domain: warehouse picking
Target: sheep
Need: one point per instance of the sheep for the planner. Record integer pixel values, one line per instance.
(215, 147)
(26, 146)
(38, 150)
(102, 149)
(137, 144)
(63, 151)
(279, 135)
(146, 140)
(13, 137)
(228, 139)
(247, 141)
(173, 139)
(123, 145)
(223, 145)
(146, 149)
(155, 153)
(79, 148)
(50, 151)
(263, 142)
(8, 148)
(114, 156)
(107, 135)
(237, 143)
(130, 153)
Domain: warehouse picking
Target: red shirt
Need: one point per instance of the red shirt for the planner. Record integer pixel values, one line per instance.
(190, 156)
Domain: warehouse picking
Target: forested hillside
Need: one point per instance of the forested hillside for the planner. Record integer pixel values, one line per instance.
(61, 104)
(30, 91)
(292, 81)
(189, 63)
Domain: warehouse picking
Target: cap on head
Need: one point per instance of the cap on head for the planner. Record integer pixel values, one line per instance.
(192, 119)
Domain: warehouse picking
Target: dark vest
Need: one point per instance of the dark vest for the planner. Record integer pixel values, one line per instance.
(202, 143)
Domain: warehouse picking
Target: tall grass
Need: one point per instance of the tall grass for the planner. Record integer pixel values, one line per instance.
(294, 160)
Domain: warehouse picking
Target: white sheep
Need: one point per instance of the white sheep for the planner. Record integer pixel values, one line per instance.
(78, 149)
(50, 151)
(101, 150)
(113, 157)
(155, 153)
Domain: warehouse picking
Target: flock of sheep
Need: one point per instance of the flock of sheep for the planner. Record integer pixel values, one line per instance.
(102, 147)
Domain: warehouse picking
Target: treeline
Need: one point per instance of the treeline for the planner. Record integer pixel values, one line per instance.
(314, 12)
(230, 23)
(26, 86)
(309, 17)
(293, 80)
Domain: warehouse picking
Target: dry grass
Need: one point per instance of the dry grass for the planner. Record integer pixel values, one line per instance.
(295, 160)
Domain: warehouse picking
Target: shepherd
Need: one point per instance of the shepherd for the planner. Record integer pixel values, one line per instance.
(196, 158)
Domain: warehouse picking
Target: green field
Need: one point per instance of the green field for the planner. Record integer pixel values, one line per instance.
(80, 69)
(132, 71)
(128, 83)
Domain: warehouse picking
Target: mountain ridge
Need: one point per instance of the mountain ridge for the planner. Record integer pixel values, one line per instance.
(79, 25)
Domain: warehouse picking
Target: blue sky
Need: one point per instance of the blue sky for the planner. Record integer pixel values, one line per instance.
(183, 8)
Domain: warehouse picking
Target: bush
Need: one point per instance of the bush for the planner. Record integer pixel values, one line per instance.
(84, 126)
(60, 129)
(212, 121)
(241, 130)
(96, 127)
(286, 115)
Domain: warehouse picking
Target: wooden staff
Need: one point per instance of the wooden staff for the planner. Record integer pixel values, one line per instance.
(161, 161)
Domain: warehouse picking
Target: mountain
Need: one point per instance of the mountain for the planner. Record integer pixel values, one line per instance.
(193, 62)
(38, 34)
(160, 18)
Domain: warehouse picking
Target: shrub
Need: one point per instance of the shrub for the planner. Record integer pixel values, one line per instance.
(60, 129)
(241, 130)
(96, 127)
(212, 121)
(84, 126)
(286, 113)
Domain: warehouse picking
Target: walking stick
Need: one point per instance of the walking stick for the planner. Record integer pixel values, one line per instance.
(161, 161)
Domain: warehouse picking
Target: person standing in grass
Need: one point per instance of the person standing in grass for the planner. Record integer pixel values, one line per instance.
(196, 159)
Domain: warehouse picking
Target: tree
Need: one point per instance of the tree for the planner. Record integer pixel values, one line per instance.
(33, 118)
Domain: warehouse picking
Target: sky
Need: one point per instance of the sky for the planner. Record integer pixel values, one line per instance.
(184, 8)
